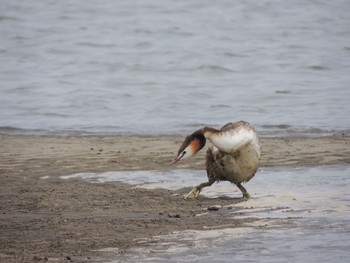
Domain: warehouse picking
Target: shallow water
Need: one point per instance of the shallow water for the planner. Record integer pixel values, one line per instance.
(304, 212)
(172, 66)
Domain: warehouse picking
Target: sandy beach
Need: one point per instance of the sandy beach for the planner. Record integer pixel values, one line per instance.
(71, 220)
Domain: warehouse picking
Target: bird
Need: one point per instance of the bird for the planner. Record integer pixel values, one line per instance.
(234, 154)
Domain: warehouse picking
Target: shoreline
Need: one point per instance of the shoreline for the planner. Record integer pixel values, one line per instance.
(267, 131)
(54, 219)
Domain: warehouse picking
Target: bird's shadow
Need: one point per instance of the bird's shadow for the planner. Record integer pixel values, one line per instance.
(185, 190)
(227, 197)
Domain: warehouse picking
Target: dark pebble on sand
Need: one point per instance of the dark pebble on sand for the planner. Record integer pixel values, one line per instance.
(174, 215)
(214, 207)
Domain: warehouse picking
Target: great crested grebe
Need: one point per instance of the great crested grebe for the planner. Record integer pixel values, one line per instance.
(234, 155)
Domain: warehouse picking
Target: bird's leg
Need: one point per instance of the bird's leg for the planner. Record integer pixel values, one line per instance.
(196, 190)
(243, 190)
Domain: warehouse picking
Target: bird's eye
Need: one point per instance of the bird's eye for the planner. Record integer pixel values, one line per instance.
(184, 152)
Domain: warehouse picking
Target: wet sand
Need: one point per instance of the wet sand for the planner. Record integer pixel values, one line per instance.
(70, 220)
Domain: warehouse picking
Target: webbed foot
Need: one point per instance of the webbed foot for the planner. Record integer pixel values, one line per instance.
(244, 191)
(193, 193)
(246, 196)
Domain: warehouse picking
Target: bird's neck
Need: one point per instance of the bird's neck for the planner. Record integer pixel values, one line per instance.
(219, 139)
(209, 132)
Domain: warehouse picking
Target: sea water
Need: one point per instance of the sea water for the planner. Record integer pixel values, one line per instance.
(173, 66)
(304, 216)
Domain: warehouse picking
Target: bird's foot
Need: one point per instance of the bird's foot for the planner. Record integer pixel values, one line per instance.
(192, 194)
(246, 196)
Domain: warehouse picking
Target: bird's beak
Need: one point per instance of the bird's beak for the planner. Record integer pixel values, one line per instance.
(175, 161)
(178, 158)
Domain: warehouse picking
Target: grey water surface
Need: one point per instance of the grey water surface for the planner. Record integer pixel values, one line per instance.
(172, 66)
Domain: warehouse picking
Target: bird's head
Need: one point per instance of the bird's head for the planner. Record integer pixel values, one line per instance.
(192, 144)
